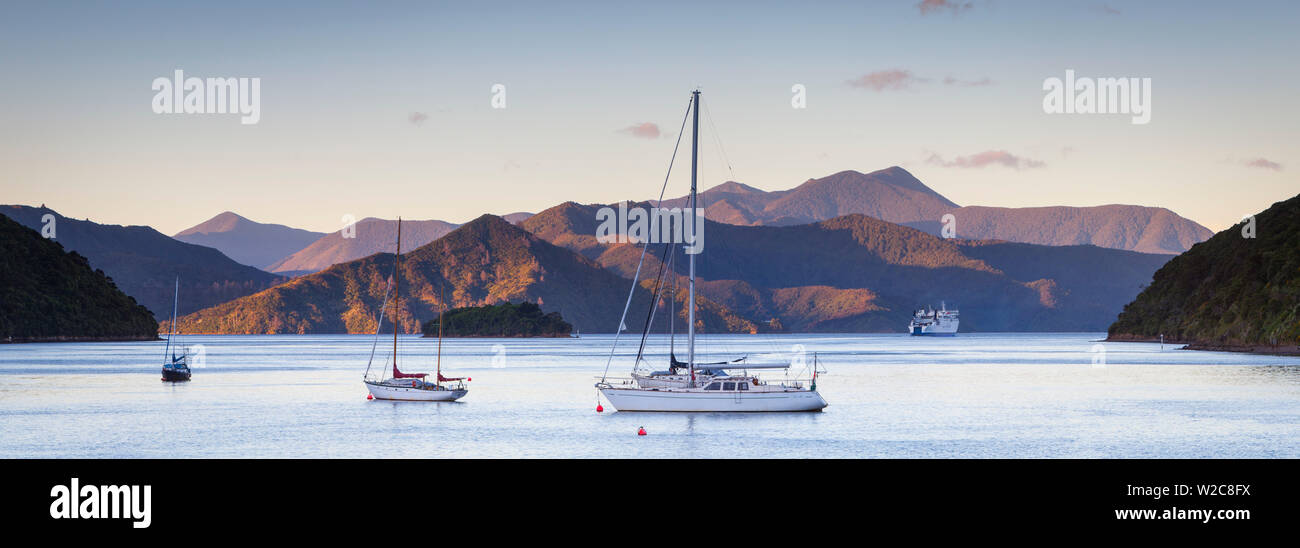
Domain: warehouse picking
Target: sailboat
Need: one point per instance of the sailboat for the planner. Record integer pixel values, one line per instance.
(176, 368)
(409, 386)
(691, 386)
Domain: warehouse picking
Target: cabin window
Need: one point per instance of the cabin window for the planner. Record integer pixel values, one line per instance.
(744, 386)
(728, 386)
(713, 386)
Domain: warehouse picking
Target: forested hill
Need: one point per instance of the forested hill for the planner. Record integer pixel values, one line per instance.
(500, 320)
(1230, 292)
(50, 294)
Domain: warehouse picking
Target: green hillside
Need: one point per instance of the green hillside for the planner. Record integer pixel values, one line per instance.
(1229, 291)
(500, 320)
(50, 294)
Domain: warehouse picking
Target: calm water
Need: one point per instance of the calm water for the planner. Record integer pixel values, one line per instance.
(990, 395)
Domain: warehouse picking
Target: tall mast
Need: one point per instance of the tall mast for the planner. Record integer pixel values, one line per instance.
(442, 305)
(695, 157)
(397, 290)
(176, 295)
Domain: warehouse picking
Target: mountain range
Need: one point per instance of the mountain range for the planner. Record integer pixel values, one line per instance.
(894, 195)
(52, 294)
(367, 237)
(485, 261)
(144, 263)
(891, 194)
(1239, 290)
(850, 273)
(857, 273)
(846, 252)
(248, 242)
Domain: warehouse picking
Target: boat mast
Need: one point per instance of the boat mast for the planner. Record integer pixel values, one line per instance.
(397, 290)
(176, 295)
(695, 156)
(442, 306)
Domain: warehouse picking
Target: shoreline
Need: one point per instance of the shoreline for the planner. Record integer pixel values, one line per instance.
(1264, 349)
(66, 338)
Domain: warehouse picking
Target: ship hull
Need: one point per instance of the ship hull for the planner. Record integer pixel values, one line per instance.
(933, 330)
(669, 401)
(406, 393)
(175, 375)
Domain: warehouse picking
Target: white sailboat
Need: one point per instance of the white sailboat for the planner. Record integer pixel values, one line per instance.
(409, 386)
(695, 387)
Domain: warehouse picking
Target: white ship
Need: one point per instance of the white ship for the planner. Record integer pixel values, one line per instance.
(691, 386)
(928, 321)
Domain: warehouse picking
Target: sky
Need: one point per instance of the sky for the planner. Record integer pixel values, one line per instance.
(386, 109)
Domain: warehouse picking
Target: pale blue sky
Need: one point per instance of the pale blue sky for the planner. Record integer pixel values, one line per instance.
(340, 81)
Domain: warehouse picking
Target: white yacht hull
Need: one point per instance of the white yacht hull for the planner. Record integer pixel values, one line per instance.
(668, 400)
(406, 393)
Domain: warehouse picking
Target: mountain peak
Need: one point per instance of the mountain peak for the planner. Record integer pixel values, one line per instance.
(893, 176)
(733, 187)
(222, 222)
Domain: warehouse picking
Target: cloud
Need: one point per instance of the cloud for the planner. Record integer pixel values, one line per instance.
(985, 81)
(881, 80)
(1262, 163)
(417, 118)
(986, 158)
(1106, 9)
(644, 130)
(939, 6)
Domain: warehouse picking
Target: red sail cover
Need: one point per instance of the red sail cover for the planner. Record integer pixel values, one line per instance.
(400, 375)
(447, 379)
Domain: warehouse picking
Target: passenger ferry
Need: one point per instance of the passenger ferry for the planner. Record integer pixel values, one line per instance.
(928, 321)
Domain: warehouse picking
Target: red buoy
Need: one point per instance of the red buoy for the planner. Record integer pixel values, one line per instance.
(600, 408)
(469, 379)
(370, 396)
(640, 431)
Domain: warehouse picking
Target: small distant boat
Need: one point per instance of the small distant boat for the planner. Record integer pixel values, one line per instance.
(928, 321)
(409, 386)
(693, 386)
(176, 368)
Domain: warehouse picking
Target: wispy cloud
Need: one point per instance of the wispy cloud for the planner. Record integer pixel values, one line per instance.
(1106, 9)
(985, 159)
(928, 7)
(644, 130)
(886, 80)
(951, 81)
(1262, 163)
(898, 79)
(417, 118)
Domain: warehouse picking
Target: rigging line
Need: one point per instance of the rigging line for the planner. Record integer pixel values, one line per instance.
(717, 139)
(619, 331)
(654, 302)
(379, 324)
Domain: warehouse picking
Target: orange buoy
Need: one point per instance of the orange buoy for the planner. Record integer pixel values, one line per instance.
(640, 431)
(370, 396)
(600, 408)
